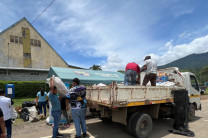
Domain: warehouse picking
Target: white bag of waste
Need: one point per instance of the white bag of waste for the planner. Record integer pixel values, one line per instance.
(33, 116)
(56, 81)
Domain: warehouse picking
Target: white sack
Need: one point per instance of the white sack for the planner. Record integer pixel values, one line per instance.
(33, 116)
(61, 87)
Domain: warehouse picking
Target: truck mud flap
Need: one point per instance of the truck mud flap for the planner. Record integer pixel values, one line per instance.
(181, 101)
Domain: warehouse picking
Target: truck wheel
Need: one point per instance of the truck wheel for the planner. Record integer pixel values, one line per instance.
(191, 112)
(142, 126)
(129, 120)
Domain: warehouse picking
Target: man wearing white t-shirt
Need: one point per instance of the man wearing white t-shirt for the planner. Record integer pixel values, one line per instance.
(151, 71)
(5, 104)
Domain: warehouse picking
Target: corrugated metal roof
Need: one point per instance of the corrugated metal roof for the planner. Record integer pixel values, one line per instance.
(86, 76)
(28, 69)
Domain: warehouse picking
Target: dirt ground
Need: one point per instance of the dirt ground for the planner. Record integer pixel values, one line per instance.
(98, 129)
(204, 97)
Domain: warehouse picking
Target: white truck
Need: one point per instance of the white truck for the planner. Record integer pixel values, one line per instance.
(135, 106)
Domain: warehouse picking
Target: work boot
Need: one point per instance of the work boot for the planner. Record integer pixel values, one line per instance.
(84, 134)
(59, 135)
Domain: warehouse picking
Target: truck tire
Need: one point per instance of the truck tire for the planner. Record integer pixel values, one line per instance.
(142, 126)
(129, 120)
(191, 112)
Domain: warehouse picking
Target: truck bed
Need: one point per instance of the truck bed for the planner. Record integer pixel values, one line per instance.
(115, 96)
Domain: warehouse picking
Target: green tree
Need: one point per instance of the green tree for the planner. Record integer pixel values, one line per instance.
(204, 74)
(96, 67)
(121, 71)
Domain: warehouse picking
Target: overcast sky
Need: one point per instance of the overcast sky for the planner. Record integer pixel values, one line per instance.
(112, 33)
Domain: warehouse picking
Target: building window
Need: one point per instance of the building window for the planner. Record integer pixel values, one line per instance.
(31, 42)
(34, 73)
(23, 33)
(27, 55)
(11, 38)
(16, 39)
(35, 43)
(39, 43)
(20, 40)
(4, 72)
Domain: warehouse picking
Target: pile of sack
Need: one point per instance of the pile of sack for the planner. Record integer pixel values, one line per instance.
(28, 111)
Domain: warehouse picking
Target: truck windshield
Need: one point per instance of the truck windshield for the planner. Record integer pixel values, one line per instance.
(194, 83)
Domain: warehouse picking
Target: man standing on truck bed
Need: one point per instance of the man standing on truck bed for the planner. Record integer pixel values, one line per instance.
(132, 70)
(151, 71)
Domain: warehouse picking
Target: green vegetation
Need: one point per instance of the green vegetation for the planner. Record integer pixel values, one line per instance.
(192, 61)
(121, 71)
(195, 63)
(95, 67)
(19, 101)
(25, 88)
(201, 74)
(206, 92)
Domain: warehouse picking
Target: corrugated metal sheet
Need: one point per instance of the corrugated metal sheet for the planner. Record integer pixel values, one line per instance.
(86, 76)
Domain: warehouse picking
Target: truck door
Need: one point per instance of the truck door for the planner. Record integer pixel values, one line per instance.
(194, 91)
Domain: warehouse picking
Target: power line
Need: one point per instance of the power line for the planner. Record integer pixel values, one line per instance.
(42, 12)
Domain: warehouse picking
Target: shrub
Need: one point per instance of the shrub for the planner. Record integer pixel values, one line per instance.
(25, 88)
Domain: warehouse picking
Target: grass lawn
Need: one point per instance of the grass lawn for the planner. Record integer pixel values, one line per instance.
(206, 92)
(19, 101)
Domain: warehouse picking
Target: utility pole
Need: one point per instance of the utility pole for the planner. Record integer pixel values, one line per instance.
(8, 64)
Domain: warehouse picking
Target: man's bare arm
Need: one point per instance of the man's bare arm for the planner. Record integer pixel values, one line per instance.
(138, 78)
(2, 126)
(144, 68)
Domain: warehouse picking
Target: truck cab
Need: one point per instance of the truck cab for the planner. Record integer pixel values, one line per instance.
(192, 86)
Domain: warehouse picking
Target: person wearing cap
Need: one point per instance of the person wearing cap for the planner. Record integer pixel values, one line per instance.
(151, 71)
(132, 70)
(77, 95)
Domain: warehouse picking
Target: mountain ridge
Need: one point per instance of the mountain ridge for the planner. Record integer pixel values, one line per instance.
(191, 61)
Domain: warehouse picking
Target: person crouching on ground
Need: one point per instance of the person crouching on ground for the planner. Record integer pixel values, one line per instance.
(77, 95)
(41, 101)
(55, 110)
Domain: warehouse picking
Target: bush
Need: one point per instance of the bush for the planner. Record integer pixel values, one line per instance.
(25, 88)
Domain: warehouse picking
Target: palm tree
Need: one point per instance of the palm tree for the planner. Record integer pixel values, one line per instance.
(121, 71)
(96, 67)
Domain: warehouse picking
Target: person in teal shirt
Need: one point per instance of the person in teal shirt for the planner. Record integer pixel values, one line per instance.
(41, 100)
(55, 110)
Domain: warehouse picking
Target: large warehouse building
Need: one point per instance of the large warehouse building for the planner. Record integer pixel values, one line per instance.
(25, 55)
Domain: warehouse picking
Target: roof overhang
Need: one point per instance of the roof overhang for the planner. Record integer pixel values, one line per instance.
(26, 69)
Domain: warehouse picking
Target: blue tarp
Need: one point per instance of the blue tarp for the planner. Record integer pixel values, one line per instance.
(86, 76)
